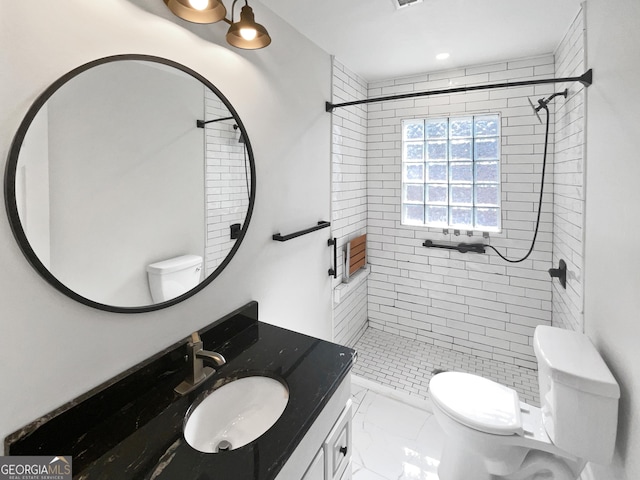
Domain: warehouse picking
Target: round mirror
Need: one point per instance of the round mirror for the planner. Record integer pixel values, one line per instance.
(130, 183)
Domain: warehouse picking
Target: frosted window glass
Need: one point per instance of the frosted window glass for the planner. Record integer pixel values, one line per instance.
(487, 195)
(413, 214)
(437, 150)
(461, 217)
(413, 193)
(437, 215)
(451, 172)
(461, 172)
(487, 149)
(460, 127)
(487, 217)
(487, 172)
(414, 172)
(487, 126)
(460, 150)
(437, 194)
(414, 151)
(462, 194)
(437, 172)
(437, 128)
(414, 130)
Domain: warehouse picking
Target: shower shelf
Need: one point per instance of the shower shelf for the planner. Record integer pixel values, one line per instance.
(283, 238)
(461, 247)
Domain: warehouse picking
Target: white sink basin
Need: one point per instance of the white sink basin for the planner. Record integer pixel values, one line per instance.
(236, 414)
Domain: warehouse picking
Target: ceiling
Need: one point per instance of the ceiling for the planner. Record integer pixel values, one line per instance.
(377, 41)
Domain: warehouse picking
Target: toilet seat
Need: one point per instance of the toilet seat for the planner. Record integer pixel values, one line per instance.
(477, 403)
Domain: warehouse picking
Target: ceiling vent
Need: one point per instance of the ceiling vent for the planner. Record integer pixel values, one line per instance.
(404, 3)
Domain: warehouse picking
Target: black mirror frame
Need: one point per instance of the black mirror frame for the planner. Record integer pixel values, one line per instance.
(10, 186)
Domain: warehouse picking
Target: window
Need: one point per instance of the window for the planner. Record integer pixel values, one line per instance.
(451, 172)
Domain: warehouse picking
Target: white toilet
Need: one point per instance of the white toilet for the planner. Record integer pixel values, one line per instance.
(490, 434)
(172, 277)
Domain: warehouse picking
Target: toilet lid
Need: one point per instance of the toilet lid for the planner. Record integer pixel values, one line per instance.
(477, 402)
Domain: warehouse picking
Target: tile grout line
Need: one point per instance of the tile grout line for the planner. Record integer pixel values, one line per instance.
(407, 365)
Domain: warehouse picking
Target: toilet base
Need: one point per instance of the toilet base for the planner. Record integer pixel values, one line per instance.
(459, 464)
(470, 454)
(543, 465)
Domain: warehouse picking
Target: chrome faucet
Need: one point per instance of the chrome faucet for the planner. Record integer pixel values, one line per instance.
(198, 372)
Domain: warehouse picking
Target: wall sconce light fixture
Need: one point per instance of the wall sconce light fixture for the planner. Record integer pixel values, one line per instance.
(245, 34)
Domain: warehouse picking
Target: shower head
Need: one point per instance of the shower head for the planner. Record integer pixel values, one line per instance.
(543, 102)
(535, 110)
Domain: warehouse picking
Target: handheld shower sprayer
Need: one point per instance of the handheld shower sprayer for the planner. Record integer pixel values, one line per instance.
(543, 102)
(542, 105)
(535, 109)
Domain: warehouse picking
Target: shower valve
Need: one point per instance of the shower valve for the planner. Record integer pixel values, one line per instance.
(560, 273)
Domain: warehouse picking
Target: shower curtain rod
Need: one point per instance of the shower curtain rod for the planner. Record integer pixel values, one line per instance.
(585, 79)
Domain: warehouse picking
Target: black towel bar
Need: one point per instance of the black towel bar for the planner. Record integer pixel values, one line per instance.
(283, 238)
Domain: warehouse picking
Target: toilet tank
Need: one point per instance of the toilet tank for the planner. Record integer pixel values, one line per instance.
(172, 277)
(578, 394)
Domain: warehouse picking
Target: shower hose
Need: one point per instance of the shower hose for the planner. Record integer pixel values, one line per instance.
(535, 233)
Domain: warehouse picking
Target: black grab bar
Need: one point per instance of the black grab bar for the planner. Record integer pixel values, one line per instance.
(333, 272)
(461, 247)
(283, 238)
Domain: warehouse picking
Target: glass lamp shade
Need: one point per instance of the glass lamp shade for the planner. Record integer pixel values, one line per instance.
(212, 13)
(247, 39)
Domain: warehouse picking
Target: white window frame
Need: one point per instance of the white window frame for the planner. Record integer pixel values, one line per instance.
(414, 186)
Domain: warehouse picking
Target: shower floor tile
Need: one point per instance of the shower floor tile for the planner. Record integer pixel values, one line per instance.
(407, 365)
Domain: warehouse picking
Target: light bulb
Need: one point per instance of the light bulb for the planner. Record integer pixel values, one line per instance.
(199, 4)
(248, 33)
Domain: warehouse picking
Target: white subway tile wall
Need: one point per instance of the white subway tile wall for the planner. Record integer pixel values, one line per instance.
(569, 171)
(226, 196)
(468, 303)
(349, 195)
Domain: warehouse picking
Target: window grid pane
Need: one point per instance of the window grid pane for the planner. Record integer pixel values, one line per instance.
(413, 193)
(451, 172)
(413, 173)
(413, 130)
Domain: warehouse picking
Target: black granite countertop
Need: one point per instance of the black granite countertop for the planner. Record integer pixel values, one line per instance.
(131, 426)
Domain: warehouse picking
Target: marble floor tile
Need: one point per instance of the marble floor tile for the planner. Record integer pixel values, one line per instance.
(394, 437)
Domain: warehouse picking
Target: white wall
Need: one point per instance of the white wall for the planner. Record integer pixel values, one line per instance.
(612, 259)
(51, 348)
(478, 304)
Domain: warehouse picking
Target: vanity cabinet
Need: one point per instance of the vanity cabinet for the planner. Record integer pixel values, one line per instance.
(337, 446)
(316, 469)
(332, 460)
(325, 451)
